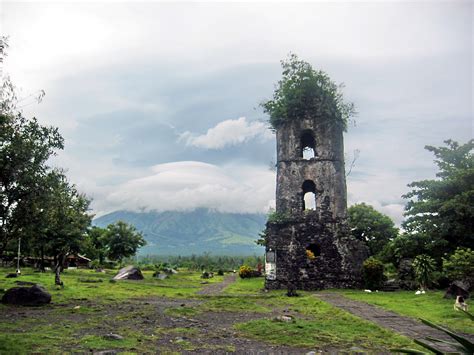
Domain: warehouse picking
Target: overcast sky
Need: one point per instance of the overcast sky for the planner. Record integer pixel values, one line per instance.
(159, 102)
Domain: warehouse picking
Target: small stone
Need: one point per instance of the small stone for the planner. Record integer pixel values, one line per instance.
(286, 319)
(112, 336)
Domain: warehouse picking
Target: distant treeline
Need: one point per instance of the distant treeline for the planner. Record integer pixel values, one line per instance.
(202, 262)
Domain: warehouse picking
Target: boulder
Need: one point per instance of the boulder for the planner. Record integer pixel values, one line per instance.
(27, 296)
(129, 273)
(458, 288)
(170, 271)
(160, 276)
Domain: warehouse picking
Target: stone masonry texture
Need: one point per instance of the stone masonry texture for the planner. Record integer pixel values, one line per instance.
(324, 230)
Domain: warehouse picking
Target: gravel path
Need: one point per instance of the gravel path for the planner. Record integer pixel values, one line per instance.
(389, 320)
(216, 288)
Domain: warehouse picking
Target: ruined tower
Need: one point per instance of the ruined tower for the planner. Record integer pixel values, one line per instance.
(308, 241)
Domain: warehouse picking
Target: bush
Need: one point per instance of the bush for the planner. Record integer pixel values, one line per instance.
(304, 92)
(372, 270)
(245, 272)
(424, 266)
(460, 265)
(220, 272)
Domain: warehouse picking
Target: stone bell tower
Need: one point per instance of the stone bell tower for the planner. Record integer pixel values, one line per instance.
(308, 241)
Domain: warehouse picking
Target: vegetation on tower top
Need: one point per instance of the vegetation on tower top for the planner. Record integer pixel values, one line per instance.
(304, 91)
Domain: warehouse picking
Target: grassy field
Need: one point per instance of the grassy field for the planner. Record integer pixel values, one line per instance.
(169, 316)
(431, 306)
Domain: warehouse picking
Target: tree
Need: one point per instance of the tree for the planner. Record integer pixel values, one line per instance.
(62, 220)
(442, 211)
(372, 227)
(96, 244)
(303, 91)
(25, 147)
(123, 240)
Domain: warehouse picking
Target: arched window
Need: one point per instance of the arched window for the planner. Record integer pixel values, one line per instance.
(309, 195)
(308, 149)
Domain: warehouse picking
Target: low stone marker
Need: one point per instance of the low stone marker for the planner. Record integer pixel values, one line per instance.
(26, 296)
(129, 273)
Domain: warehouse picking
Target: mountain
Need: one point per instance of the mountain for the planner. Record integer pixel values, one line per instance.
(193, 232)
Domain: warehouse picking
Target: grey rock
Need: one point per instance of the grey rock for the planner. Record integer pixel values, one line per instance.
(458, 288)
(26, 296)
(129, 273)
(112, 336)
(285, 319)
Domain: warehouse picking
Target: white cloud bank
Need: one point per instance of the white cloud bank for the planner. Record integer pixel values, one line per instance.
(228, 133)
(188, 185)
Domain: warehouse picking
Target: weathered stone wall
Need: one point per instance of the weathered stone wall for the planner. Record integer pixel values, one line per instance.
(326, 169)
(338, 264)
(339, 258)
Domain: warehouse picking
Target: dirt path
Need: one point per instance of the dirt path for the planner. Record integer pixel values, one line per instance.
(216, 288)
(387, 319)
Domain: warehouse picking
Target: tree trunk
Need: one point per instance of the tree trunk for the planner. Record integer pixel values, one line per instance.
(57, 270)
(42, 259)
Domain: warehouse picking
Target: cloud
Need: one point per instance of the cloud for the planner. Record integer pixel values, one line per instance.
(228, 133)
(188, 185)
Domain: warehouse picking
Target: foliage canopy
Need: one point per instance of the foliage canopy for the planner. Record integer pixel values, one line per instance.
(441, 211)
(305, 92)
(460, 265)
(372, 227)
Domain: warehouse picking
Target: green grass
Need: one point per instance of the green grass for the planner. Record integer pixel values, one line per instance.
(319, 325)
(251, 286)
(431, 306)
(182, 285)
(122, 307)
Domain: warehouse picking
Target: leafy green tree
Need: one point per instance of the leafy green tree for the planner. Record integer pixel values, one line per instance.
(405, 246)
(372, 227)
(25, 147)
(96, 244)
(303, 92)
(424, 266)
(460, 265)
(442, 210)
(63, 220)
(123, 240)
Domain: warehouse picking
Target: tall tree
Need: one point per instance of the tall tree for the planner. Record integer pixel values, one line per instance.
(25, 147)
(62, 220)
(372, 227)
(123, 240)
(441, 211)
